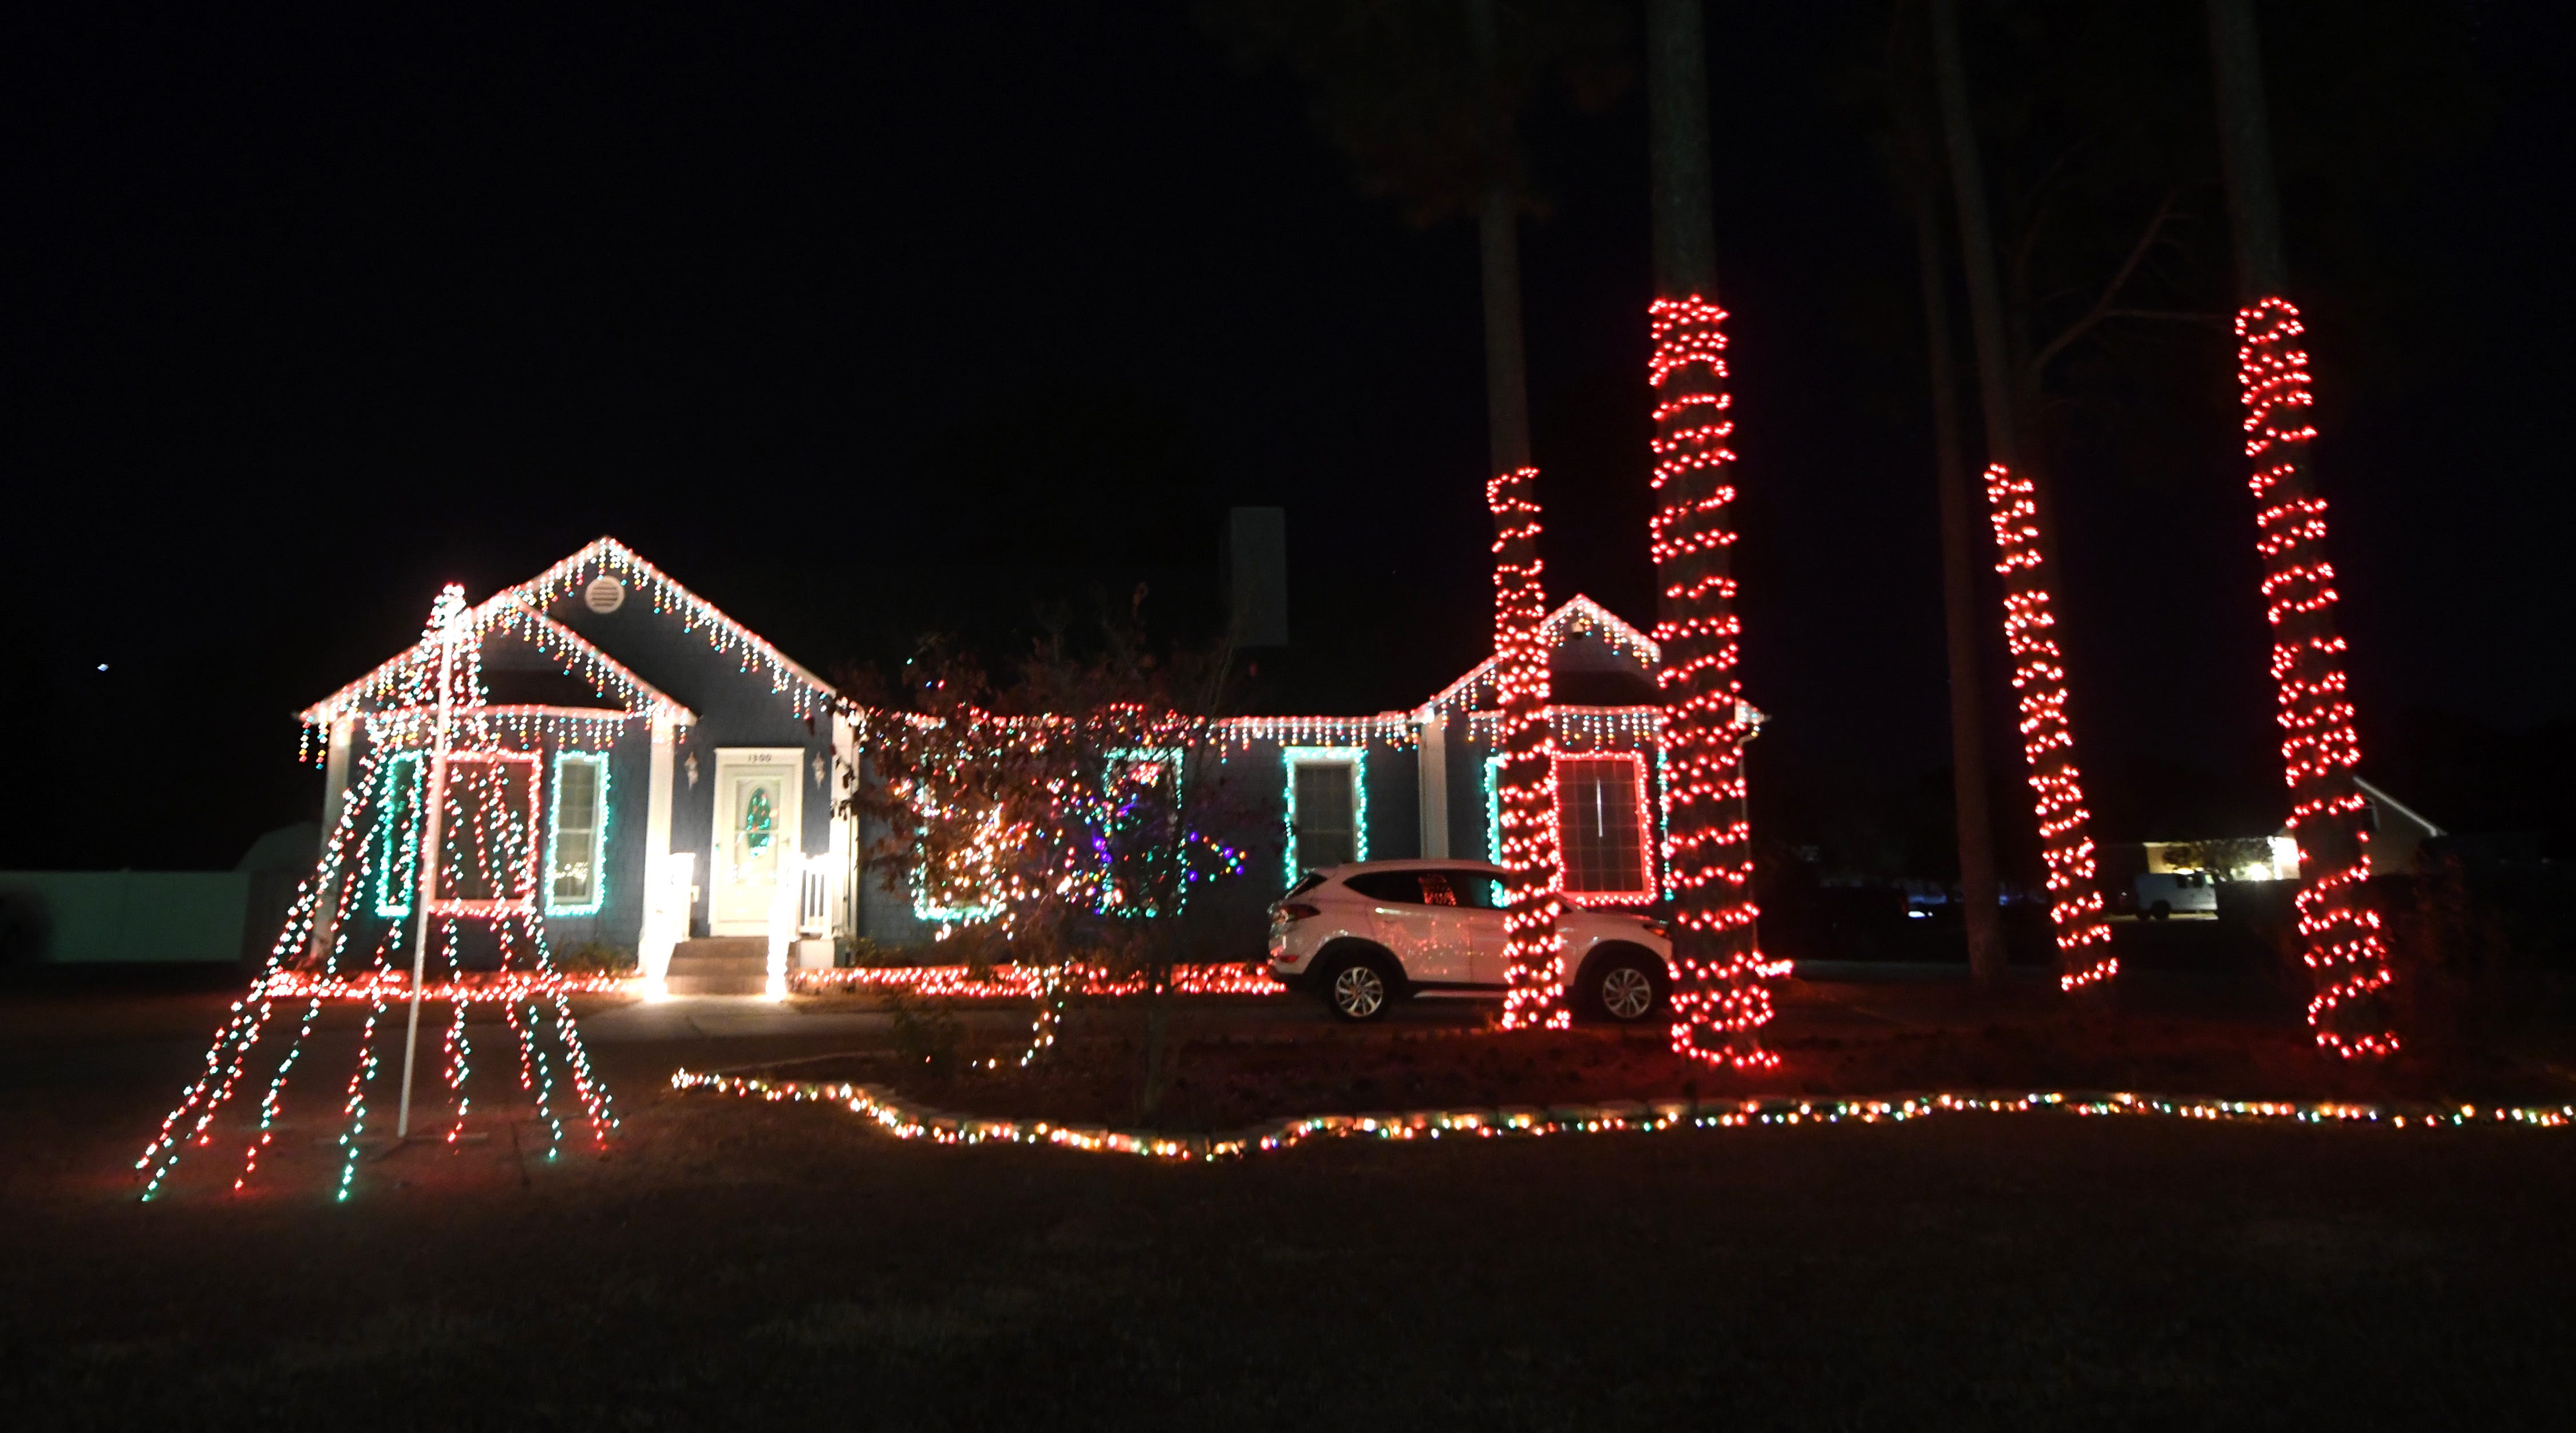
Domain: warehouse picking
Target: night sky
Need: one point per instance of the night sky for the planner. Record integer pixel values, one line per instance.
(867, 320)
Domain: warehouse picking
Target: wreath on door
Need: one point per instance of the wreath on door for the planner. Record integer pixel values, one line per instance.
(758, 822)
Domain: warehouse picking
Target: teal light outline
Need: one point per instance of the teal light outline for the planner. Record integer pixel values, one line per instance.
(598, 834)
(404, 788)
(1292, 757)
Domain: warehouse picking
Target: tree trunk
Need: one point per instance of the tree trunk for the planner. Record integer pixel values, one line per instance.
(1959, 544)
(2345, 956)
(1722, 999)
(2245, 147)
(1498, 245)
(1525, 787)
(2026, 549)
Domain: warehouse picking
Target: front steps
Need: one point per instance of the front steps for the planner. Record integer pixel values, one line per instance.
(726, 965)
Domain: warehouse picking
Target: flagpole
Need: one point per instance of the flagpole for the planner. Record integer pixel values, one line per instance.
(425, 882)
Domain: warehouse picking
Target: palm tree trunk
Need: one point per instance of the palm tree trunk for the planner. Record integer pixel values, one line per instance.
(2026, 547)
(1722, 1000)
(1968, 781)
(1534, 878)
(1506, 365)
(2346, 958)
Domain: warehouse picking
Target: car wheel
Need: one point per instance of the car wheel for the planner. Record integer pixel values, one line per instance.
(1625, 991)
(1358, 991)
(2160, 910)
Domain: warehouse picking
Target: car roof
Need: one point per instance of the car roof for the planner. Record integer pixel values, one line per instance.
(1357, 868)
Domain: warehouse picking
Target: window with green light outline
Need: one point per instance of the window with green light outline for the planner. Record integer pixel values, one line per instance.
(1494, 809)
(397, 833)
(585, 822)
(1354, 757)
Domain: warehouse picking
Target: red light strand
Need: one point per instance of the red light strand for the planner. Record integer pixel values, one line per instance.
(2346, 958)
(1722, 999)
(2047, 735)
(1525, 791)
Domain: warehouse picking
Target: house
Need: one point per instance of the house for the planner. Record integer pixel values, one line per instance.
(675, 777)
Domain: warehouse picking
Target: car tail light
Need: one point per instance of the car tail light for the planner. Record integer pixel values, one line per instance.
(1295, 911)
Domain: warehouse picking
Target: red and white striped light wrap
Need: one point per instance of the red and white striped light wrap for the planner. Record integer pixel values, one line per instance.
(2047, 737)
(1722, 998)
(1525, 787)
(2346, 958)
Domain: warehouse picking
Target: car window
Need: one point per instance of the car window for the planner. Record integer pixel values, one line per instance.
(1478, 890)
(1306, 883)
(1399, 886)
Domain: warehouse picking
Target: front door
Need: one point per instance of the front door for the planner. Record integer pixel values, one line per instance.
(759, 816)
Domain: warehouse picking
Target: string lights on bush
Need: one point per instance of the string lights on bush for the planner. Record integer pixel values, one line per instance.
(1722, 999)
(1525, 776)
(2047, 736)
(2346, 956)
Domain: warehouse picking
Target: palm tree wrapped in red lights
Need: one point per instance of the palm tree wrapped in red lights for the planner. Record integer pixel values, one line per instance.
(2346, 957)
(1525, 793)
(1722, 1000)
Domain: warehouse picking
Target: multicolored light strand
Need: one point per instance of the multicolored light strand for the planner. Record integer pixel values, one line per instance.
(1722, 999)
(907, 1120)
(2047, 737)
(1525, 791)
(2346, 957)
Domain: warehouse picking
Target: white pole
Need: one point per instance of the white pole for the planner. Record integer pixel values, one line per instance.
(425, 881)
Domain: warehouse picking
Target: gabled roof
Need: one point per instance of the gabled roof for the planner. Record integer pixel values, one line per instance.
(607, 557)
(1578, 617)
(507, 613)
(521, 609)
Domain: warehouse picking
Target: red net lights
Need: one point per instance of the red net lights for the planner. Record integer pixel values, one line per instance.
(2319, 748)
(2047, 738)
(1533, 874)
(1721, 1000)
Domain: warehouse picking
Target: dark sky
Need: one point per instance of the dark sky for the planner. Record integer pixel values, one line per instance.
(866, 319)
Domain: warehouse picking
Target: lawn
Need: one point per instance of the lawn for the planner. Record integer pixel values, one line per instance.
(732, 1263)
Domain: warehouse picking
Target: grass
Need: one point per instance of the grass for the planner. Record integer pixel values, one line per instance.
(732, 1263)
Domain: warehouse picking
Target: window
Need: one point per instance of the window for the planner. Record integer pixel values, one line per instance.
(1393, 887)
(397, 834)
(487, 845)
(1601, 827)
(575, 882)
(1327, 807)
(1475, 890)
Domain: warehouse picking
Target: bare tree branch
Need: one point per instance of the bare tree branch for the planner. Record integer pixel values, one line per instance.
(2224, 323)
(2102, 306)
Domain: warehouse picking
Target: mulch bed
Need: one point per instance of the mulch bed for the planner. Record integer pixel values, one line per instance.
(1223, 1082)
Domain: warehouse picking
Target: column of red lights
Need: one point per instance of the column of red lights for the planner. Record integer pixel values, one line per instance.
(2347, 961)
(1722, 999)
(1525, 788)
(2047, 737)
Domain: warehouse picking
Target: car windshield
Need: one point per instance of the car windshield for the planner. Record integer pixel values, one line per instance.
(1310, 881)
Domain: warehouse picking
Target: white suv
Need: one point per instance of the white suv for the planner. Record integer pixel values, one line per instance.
(1363, 936)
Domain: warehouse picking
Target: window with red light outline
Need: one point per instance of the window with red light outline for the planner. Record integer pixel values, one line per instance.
(1580, 871)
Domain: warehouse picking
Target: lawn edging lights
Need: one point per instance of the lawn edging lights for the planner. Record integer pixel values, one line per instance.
(907, 1120)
